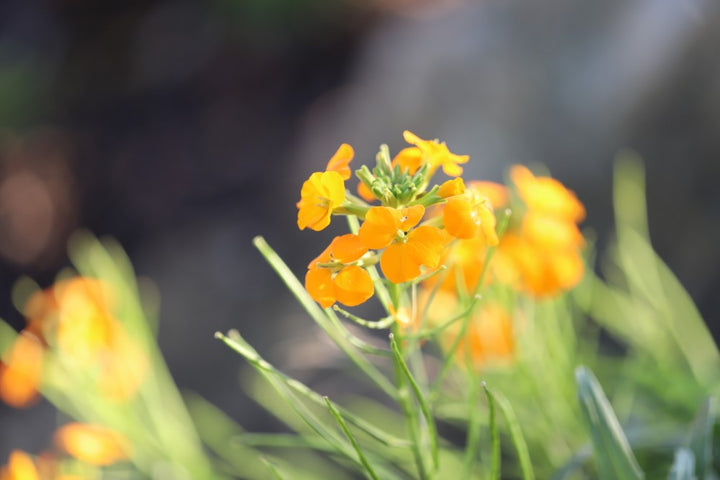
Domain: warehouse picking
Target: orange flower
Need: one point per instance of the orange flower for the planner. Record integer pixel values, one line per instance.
(538, 271)
(401, 261)
(320, 194)
(551, 233)
(430, 152)
(20, 373)
(76, 319)
(382, 224)
(350, 286)
(469, 215)
(385, 227)
(20, 467)
(93, 444)
(546, 195)
(489, 339)
(340, 161)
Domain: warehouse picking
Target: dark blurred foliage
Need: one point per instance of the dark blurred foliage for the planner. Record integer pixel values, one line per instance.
(185, 128)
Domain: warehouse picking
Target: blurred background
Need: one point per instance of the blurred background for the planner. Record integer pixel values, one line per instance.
(183, 129)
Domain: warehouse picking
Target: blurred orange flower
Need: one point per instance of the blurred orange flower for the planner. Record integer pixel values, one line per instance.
(489, 339)
(75, 321)
(92, 444)
(21, 371)
(546, 195)
(541, 272)
(20, 466)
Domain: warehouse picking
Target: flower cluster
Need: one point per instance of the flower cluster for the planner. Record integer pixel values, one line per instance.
(400, 234)
(439, 237)
(72, 336)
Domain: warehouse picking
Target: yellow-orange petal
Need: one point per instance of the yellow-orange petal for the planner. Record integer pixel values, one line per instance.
(450, 188)
(319, 284)
(365, 193)
(340, 161)
(92, 444)
(347, 248)
(411, 216)
(428, 245)
(380, 227)
(20, 466)
(353, 286)
(546, 195)
(450, 164)
(399, 263)
(460, 219)
(21, 372)
(410, 158)
(488, 224)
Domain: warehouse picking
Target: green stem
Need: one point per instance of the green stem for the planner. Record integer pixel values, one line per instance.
(351, 437)
(473, 435)
(321, 317)
(494, 435)
(430, 421)
(239, 345)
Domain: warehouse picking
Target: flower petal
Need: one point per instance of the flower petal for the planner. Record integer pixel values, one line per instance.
(347, 248)
(340, 161)
(399, 263)
(318, 283)
(427, 244)
(380, 227)
(411, 216)
(353, 286)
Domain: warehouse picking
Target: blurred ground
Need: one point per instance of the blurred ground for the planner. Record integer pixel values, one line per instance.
(186, 128)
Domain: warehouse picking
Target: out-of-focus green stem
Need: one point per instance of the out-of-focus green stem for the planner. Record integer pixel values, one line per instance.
(494, 436)
(409, 411)
(516, 434)
(472, 443)
(432, 431)
(237, 343)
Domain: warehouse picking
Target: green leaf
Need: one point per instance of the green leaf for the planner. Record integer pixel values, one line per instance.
(614, 459)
